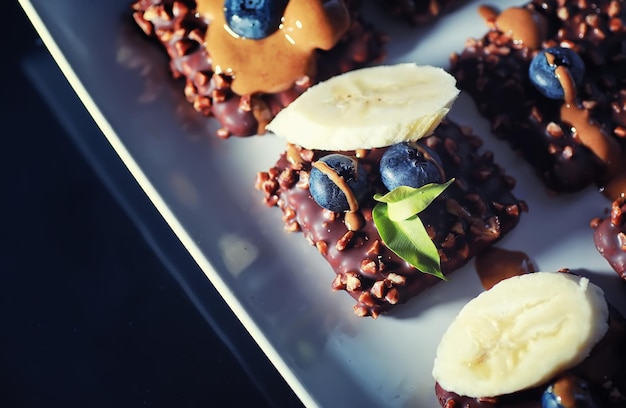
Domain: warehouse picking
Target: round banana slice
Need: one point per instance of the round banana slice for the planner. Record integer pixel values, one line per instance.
(369, 107)
(520, 334)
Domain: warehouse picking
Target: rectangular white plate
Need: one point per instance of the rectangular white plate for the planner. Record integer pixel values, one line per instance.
(278, 285)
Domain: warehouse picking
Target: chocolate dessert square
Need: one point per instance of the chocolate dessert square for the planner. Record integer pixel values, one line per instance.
(473, 213)
(265, 81)
(551, 78)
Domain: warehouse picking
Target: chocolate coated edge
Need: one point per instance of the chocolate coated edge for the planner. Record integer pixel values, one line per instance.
(471, 215)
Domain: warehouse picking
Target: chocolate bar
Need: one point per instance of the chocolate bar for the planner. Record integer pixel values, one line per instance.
(473, 213)
(181, 29)
(575, 140)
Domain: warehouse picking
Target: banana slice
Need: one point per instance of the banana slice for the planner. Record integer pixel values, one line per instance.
(520, 333)
(369, 107)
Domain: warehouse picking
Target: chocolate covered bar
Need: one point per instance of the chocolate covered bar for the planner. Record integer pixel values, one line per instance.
(551, 78)
(474, 212)
(244, 82)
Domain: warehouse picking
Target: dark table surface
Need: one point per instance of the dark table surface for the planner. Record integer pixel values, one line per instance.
(90, 315)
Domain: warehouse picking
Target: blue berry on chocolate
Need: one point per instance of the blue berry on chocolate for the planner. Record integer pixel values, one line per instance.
(568, 392)
(255, 19)
(404, 164)
(543, 70)
(328, 193)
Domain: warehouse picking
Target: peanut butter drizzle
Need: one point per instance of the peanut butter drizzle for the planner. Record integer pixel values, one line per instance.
(352, 219)
(590, 134)
(567, 390)
(293, 156)
(261, 113)
(274, 63)
(521, 24)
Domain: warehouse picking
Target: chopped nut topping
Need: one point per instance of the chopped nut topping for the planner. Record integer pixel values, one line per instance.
(345, 240)
(393, 296)
(554, 129)
(322, 247)
(352, 281)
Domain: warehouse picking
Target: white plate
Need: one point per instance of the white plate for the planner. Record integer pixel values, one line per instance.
(277, 284)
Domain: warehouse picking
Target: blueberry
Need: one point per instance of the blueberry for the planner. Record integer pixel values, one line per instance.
(568, 392)
(543, 74)
(327, 193)
(255, 19)
(405, 165)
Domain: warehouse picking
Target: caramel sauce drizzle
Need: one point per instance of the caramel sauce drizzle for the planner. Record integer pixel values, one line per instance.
(566, 389)
(522, 25)
(603, 146)
(353, 219)
(496, 264)
(590, 134)
(293, 156)
(274, 63)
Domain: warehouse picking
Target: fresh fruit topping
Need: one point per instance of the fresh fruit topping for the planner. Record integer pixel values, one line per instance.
(568, 392)
(543, 75)
(520, 334)
(370, 107)
(401, 229)
(337, 182)
(254, 19)
(405, 164)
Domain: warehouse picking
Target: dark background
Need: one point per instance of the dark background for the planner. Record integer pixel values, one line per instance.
(89, 315)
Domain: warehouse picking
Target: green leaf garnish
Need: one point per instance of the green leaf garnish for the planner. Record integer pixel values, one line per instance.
(404, 201)
(401, 229)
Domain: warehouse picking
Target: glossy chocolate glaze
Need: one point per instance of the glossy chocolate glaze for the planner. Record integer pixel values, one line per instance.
(181, 31)
(496, 65)
(609, 236)
(472, 214)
